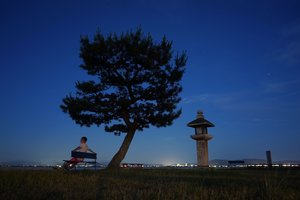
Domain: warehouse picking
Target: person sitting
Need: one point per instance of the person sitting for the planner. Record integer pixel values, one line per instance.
(83, 147)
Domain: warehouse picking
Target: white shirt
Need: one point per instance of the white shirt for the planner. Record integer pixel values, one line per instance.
(83, 147)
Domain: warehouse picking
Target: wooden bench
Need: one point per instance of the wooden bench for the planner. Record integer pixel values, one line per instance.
(78, 154)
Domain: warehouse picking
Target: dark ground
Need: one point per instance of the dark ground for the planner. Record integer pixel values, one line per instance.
(151, 184)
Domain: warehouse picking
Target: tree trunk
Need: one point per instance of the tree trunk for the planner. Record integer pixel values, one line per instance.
(120, 155)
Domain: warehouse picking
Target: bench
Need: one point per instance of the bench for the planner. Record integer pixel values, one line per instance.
(78, 154)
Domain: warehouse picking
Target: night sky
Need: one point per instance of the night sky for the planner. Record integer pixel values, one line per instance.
(243, 71)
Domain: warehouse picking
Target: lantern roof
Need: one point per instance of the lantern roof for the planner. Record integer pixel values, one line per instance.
(200, 121)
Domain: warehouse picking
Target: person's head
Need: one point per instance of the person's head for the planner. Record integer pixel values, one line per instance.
(83, 139)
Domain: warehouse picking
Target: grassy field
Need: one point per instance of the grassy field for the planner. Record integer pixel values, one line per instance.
(151, 184)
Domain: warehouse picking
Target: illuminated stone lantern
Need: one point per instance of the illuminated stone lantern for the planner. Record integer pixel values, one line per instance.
(201, 136)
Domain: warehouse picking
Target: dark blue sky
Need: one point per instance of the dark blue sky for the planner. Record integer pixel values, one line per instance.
(243, 71)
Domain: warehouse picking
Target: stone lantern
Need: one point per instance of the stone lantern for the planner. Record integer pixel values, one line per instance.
(200, 124)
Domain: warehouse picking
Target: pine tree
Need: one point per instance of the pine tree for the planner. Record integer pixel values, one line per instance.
(135, 85)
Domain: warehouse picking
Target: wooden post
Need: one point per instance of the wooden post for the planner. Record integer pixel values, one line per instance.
(269, 159)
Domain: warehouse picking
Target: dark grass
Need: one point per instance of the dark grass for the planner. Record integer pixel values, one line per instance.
(151, 184)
